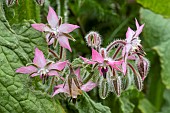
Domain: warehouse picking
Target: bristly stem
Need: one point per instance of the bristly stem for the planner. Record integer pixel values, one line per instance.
(117, 51)
(51, 85)
(55, 54)
(111, 45)
(61, 52)
(58, 7)
(134, 71)
(66, 11)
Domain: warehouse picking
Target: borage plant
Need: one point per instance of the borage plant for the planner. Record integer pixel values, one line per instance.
(112, 69)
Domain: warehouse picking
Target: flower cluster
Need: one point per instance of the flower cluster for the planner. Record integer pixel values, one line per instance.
(119, 65)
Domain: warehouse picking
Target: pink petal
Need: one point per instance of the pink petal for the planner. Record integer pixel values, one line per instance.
(39, 27)
(67, 28)
(96, 56)
(63, 41)
(52, 18)
(87, 60)
(34, 74)
(137, 24)
(139, 30)
(129, 35)
(60, 90)
(77, 73)
(124, 68)
(128, 47)
(26, 69)
(59, 65)
(39, 58)
(88, 86)
(115, 63)
(132, 57)
(123, 51)
(53, 73)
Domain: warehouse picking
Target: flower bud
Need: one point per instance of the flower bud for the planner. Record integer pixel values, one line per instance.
(103, 52)
(138, 82)
(10, 2)
(104, 88)
(143, 67)
(93, 39)
(40, 2)
(116, 82)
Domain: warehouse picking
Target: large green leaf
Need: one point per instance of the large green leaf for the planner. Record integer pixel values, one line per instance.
(16, 49)
(157, 37)
(26, 9)
(145, 106)
(86, 105)
(158, 6)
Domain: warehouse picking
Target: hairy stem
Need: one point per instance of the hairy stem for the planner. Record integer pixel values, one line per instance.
(111, 45)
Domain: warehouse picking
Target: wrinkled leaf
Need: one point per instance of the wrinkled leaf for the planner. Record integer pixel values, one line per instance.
(17, 49)
(126, 105)
(86, 105)
(161, 7)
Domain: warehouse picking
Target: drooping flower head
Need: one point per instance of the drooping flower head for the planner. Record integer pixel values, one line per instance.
(55, 30)
(132, 43)
(41, 66)
(71, 88)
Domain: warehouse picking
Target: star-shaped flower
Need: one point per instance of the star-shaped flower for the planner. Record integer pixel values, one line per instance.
(56, 30)
(41, 66)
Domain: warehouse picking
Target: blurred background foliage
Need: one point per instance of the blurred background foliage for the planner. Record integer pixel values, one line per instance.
(111, 19)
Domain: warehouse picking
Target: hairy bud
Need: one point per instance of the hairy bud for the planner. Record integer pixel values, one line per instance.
(143, 67)
(138, 82)
(40, 2)
(116, 82)
(103, 52)
(93, 39)
(104, 88)
(10, 2)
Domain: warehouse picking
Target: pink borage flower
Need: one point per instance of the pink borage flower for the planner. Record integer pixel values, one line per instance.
(42, 67)
(132, 43)
(102, 61)
(132, 39)
(71, 89)
(56, 30)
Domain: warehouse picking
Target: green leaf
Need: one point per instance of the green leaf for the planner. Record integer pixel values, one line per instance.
(25, 10)
(157, 37)
(165, 107)
(16, 49)
(86, 105)
(160, 7)
(126, 105)
(145, 106)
